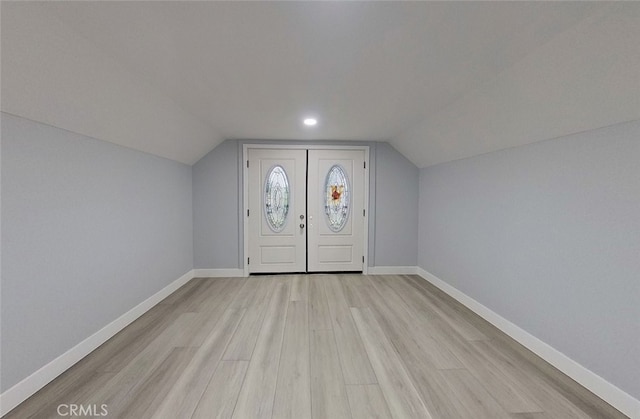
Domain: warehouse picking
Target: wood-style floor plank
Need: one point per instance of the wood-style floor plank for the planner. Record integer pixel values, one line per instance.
(293, 347)
(186, 392)
(220, 397)
(550, 384)
(319, 316)
(300, 288)
(186, 292)
(249, 295)
(71, 387)
(210, 307)
(537, 415)
(420, 364)
(367, 402)
(475, 400)
(352, 288)
(530, 379)
(328, 393)
(453, 315)
(509, 387)
(209, 289)
(355, 363)
(255, 301)
(158, 385)
(293, 393)
(259, 387)
(402, 397)
(400, 322)
(124, 385)
(118, 351)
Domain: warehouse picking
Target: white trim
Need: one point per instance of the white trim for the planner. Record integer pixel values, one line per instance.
(218, 273)
(245, 205)
(27, 387)
(393, 270)
(245, 192)
(303, 147)
(365, 248)
(588, 379)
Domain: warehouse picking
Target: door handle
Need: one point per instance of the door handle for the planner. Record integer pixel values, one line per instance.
(301, 225)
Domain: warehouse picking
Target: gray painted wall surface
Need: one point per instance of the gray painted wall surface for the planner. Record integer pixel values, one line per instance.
(548, 236)
(396, 202)
(215, 208)
(90, 230)
(219, 231)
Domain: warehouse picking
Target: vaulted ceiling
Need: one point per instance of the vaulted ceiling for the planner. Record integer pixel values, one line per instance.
(438, 80)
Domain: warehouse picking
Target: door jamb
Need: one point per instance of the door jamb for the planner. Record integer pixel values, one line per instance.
(245, 192)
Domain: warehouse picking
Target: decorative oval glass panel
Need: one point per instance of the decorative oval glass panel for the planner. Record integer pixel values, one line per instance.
(337, 198)
(276, 198)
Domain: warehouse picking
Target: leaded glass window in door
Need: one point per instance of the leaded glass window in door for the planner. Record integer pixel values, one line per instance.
(337, 198)
(276, 198)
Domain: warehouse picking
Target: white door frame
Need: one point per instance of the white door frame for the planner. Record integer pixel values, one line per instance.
(245, 192)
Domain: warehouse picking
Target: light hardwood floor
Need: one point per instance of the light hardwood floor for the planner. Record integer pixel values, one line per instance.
(315, 346)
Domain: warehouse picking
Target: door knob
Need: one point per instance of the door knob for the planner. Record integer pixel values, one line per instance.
(301, 217)
(301, 225)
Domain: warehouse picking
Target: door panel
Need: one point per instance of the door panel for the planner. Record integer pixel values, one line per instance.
(277, 242)
(335, 197)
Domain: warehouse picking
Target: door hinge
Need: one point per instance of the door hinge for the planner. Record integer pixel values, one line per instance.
(248, 260)
(247, 213)
(363, 212)
(247, 163)
(362, 259)
(365, 165)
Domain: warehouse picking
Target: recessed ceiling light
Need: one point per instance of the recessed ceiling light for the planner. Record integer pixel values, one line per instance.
(310, 122)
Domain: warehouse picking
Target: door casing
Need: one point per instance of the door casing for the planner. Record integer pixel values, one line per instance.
(245, 192)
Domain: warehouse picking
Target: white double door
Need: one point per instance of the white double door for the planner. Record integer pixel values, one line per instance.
(306, 210)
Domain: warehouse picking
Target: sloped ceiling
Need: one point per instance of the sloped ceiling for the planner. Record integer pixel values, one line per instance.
(438, 80)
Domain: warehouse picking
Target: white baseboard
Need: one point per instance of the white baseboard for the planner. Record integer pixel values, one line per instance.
(593, 382)
(393, 270)
(218, 273)
(27, 387)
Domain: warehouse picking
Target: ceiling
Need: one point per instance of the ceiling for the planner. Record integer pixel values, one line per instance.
(438, 80)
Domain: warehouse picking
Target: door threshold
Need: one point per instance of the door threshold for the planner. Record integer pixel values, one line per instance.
(306, 273)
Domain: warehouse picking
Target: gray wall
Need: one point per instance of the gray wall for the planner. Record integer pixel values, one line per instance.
(216, 209)
(218, 238)
(396, 202)
(90, 230)
(548, 236)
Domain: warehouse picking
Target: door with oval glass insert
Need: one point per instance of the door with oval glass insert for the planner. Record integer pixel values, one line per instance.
(305, 210)
(336, 204)
(277, 210)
